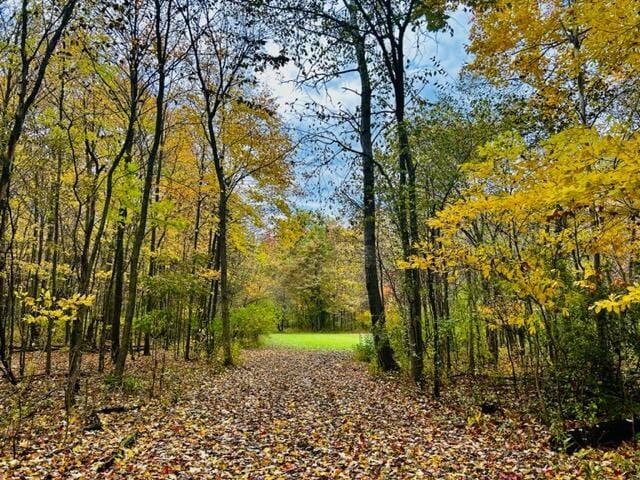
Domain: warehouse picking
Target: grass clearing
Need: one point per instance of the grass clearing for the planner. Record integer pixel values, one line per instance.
(314, 341)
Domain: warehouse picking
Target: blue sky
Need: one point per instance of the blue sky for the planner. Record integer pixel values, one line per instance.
(447, 48)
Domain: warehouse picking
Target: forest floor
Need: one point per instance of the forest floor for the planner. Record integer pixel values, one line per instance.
(282, 413)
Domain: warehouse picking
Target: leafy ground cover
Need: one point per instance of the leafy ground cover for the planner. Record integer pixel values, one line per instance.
(315, 341)
(282, 414)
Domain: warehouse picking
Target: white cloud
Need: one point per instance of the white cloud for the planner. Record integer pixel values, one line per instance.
(280, 83)
(448, 50)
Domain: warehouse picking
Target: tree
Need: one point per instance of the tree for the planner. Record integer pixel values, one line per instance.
(389, 24)
(376, 306)
(162, 25)
(22, 79)
(226, 47)
(340, 29)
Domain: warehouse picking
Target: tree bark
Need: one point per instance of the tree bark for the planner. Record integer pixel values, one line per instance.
(409, 231)
(384, 351)
(224, 281)
(152, 260)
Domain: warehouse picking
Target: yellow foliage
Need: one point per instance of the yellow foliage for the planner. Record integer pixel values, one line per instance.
(548, 44)
(574, 197)
(619, 303)
(46, 307)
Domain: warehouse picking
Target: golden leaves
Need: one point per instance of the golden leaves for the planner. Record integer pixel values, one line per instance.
(551, 46)
(528, 208)
(619, 303)
(46, 307)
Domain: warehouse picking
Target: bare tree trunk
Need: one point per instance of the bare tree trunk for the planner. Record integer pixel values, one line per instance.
(409, 238)
(212, 304)
(56, 239)
(5, 359)
(435, 313)
(224, 285)
(196, 237)
(152, 259)
(118, 279)
(384, 352)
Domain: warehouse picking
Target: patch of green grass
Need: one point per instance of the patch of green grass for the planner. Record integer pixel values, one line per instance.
(314, 341)
(130, 383)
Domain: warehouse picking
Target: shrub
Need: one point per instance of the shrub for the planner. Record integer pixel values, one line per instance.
(130, 383)
(250, 322)
(365, 350)
(397, 333)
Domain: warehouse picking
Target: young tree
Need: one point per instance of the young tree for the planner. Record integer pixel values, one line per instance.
(33, 35)
(226, 49)
(162, 14)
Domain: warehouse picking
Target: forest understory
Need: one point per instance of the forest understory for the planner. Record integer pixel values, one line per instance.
(279, 413)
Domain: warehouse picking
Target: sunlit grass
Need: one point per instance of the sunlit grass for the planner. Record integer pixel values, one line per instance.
(314, 341)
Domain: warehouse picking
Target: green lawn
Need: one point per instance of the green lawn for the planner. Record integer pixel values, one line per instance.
(314, 341)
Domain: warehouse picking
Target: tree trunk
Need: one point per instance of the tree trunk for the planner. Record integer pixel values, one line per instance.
(118, 282)
(212, 305)
(56, 239)
(152, 259)
(384, 351)
(224, 285)
(161, 51)
(408, 222)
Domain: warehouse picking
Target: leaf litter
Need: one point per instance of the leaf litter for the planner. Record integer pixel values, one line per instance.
(291, 414)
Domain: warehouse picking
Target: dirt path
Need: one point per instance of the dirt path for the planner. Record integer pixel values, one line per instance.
(296, 414)
(287, 414)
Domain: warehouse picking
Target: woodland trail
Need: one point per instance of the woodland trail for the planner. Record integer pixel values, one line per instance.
(310, 414)
(291, 414)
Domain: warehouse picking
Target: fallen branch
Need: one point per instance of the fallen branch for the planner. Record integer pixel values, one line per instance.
(127, 442)
(608, 434)
(66, 448)
(117, 409)
(94, 423)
